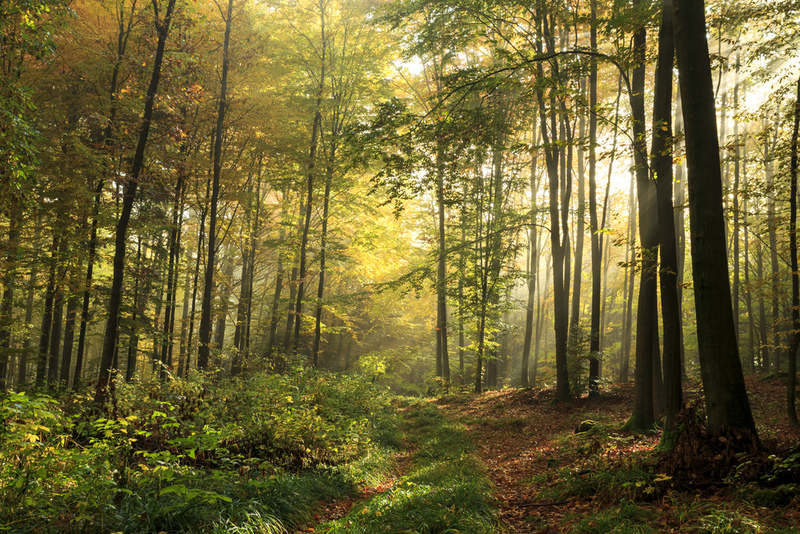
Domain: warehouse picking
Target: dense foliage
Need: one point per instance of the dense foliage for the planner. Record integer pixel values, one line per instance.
(200, 455)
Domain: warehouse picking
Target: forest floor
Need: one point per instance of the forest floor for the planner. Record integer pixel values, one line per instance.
(528, 442)
(548, 478)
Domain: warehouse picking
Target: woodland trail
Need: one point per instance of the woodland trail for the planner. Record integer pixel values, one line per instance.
(517, 433)
(547, 479)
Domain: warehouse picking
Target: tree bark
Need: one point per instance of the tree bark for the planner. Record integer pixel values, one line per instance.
(129, 196)
(644, 416)
(727, 405)
(204, 332)
(662, 175)
(791, 382)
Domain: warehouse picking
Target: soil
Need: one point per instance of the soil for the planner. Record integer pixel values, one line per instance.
(520, 432)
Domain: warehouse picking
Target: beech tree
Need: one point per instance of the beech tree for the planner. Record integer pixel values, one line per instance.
(162, 26)
(727, 404)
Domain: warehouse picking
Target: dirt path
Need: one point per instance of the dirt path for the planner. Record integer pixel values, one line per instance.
(516, 433)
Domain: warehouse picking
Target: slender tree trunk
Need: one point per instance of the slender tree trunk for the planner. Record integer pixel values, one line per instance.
(173, 271)
(204, 332)
(222, 313)
(533, 270)
(311, 174)
(9, 284)
(596, 243)
(791, 383)
(625, 345)
(322, 257)
(47, 318)
(644, 416)
(139, 305)
(129, 196)
(762, 313)
(69, 333)
(557, 241)
(442, 357)
(735, 214)
(769, 171)
(662, 174)
(58, 312)
(22, 370)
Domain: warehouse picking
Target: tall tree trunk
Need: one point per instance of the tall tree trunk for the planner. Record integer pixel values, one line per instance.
(58, 312)
(662, 175)
(442, 357)
(533, 269)
(311, 172)
(326, 199)
(69, 332)
(644, 416)
(727, 405)
(173, 273)
(222, 313)
(47, 317)
(596, 243)
(129, 196)
(182, 350)
(558, 243)
(9, 284)
(625, 345)
(769, 171)
(204, 332)
(680, 221)
(22, 370)
(791, 382)
(139, 305)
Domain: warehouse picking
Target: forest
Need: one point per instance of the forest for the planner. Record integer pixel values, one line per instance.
(241, 241)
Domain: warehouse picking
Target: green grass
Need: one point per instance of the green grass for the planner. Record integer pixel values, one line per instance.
(445, 490)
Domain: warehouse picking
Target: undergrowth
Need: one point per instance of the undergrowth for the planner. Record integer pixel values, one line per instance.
(207, 454)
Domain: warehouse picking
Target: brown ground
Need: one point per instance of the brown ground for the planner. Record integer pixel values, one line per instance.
(518, 433)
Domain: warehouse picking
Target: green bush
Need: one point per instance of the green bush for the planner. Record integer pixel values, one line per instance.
(241, 455)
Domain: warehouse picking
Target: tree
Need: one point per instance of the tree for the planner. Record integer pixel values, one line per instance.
(794, 169)
(727, 405)
(162, 26)
(204, 350)
(662, 175)
(25, 27)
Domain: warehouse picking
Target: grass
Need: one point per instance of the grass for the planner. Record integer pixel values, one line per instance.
(444, 491)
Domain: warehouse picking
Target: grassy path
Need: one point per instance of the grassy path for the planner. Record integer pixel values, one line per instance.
(444, 487)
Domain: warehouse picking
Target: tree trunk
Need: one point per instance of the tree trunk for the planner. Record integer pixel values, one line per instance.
(442, 358)
(322, 257)
(662, 175)
(727, 405)
(9, 283)
(596, 242)
(129, 196)
(22, 371)
(204, 332)
(643, 416)
(310, 175)
(69, 333)
(47, 318)
(533, 270)
(557, 241)
(791, 382)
